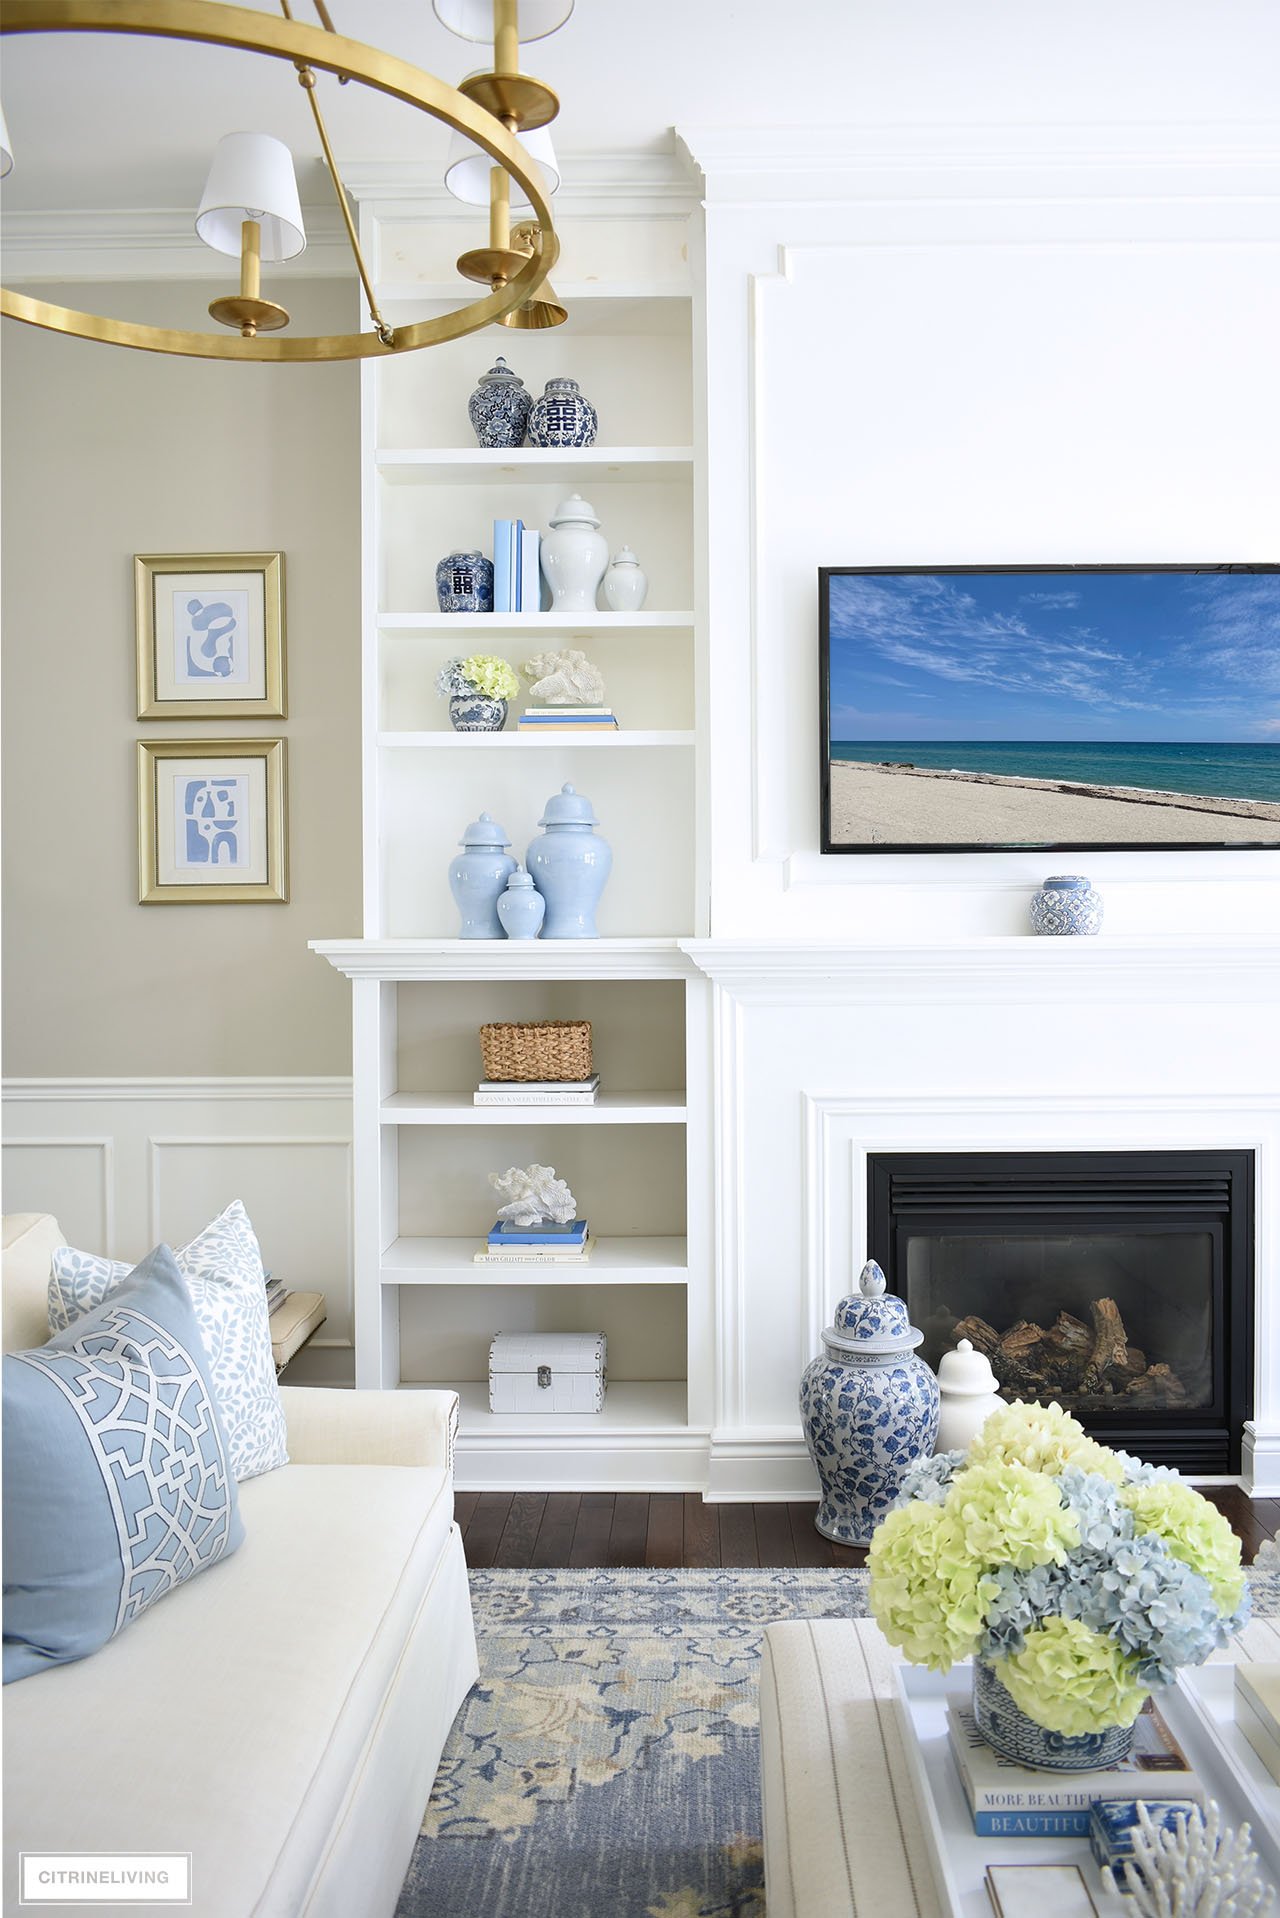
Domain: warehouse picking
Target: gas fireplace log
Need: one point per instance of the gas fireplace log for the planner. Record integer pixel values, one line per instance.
(982, 1337)
(1110, 1346)
(1159, 1384)
(1067, 1346)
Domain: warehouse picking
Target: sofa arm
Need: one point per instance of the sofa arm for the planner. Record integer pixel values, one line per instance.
(330, 1427)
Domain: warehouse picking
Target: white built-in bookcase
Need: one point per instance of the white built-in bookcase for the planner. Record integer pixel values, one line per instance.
(638, 1161)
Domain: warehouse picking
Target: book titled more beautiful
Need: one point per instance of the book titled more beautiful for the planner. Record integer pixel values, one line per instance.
(996, 1787)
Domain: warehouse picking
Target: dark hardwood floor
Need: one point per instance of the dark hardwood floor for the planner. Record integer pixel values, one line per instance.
(523, 1529)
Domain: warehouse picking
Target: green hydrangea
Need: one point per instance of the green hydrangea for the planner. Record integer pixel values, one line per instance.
(1003, 1514)
(1044, 1438)
(927, 1595)
(1072, 1680)
(1194, 1531)
(490, 676)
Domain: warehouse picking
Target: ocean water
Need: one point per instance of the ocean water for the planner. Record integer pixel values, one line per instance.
(1216, 771)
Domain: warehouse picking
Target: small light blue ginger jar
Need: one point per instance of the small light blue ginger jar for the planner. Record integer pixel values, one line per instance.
(869, 1408)
(1066, 905)
(521, 907)
(570, 863)
(478, 876)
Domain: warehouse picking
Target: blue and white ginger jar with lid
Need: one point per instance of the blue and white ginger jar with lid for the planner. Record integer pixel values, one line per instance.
(499, 407)
(1067, 905)
(869, 1408)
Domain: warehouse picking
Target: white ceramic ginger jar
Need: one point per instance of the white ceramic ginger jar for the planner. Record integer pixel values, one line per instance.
(625, 583)
(574, 556)
(968, 1389)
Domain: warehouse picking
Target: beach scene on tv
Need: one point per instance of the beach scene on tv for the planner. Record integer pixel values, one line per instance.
(1054, 708)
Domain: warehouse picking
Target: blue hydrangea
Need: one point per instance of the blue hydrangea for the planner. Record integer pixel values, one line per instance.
(929, 1478)
(1138, 1472)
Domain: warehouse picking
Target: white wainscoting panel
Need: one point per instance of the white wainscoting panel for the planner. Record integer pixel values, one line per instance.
(126, 1163)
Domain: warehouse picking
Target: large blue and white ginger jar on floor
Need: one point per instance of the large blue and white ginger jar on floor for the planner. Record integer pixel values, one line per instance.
(869, 1408)
(1067, 905)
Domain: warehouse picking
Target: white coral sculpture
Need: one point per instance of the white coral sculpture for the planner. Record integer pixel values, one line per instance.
(534, 1196)
(565, 679)
(1197, 1870)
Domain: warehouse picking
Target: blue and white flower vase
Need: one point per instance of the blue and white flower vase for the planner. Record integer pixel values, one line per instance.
(478, 877)
(569, 863)
(1067, 905)
(1009, 1731)
(499, 407)
(477, 713)
(869, 1408)
(464, 583)
(562, 417)
(521, 908)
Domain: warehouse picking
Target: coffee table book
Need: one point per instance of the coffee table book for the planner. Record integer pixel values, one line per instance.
(1200, 1721)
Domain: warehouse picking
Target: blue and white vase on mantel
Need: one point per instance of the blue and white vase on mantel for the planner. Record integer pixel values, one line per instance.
(869, 1408)
(1068, 905)
(478, 878)
(569, 862)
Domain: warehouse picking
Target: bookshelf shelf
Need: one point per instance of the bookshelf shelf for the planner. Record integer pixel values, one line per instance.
(536, 465)
(617, 1261)
(640, 1407)
(605, 738)
(611, 1108)
(580, 625)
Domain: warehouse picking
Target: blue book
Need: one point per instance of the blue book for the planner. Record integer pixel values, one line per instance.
(530, 570)
(1031, 1824)
(503, 529)
(517, 534)
(574, 1233)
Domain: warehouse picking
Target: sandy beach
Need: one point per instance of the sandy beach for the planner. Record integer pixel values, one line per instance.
(893, 805)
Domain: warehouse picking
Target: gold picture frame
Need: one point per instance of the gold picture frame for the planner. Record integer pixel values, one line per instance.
(210, 635)
(212, 822)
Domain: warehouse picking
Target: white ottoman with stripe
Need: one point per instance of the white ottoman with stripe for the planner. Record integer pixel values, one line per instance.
(842, 1836)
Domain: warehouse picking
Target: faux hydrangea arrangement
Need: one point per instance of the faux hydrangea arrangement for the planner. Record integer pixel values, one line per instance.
(1083, 1576)
(479, 673)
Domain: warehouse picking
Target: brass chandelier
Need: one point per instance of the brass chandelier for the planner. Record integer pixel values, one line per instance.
(250, 204)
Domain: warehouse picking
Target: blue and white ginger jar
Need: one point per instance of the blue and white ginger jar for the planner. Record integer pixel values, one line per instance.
(464, 583)
(562, 416)
(869, 1408)
(1068, 905)
(499, 407)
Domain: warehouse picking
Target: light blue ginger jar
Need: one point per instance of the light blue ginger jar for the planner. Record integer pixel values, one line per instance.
(478, 877)
(569, 863)
(464, 583)
(521, 907)
(499, 407)
(869, 1408)
(1067, 905)
(562, 416)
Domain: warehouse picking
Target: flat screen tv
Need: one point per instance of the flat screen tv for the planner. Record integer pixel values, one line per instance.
(1090, 708)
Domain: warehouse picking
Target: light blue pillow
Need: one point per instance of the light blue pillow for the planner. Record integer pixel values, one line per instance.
(117, 1479)
(223, 1270)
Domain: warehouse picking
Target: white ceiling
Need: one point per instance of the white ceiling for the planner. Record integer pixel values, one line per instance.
(116, 122)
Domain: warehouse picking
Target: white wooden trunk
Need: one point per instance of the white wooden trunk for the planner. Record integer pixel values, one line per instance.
(547, 1372)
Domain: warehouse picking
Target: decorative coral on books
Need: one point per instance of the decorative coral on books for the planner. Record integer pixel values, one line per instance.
(1078, 1577)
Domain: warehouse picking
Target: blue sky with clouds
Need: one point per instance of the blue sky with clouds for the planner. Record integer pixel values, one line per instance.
(1064, 656)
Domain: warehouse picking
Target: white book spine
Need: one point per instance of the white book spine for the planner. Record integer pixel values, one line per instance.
(533, 1098)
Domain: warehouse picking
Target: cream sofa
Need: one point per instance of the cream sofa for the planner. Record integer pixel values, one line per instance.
(281, 1717)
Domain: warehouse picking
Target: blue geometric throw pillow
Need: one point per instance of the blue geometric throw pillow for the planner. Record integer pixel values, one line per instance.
(117, 1480)
(223, 1270)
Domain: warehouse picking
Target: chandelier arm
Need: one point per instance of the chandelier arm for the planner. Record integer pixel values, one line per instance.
(214, 23)
(307, 81)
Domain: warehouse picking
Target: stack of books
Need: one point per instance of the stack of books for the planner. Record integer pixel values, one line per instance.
(567, 719)
(1258, 1711)
(1012, 1801)
(277, 1293)
(537, 1092)
(517, 575)
(536, 1244)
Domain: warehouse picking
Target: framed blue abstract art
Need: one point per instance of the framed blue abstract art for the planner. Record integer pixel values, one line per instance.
(210, 635)
(211, 822)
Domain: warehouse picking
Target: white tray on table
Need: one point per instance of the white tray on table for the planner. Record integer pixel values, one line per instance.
(1199, 1712)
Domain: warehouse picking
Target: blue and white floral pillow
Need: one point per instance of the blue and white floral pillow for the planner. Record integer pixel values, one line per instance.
(223, 1270)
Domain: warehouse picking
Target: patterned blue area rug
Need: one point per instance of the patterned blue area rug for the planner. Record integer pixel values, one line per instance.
(605, 1766)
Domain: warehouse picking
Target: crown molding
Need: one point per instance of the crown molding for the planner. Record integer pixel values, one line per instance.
(614, 185)
(141, 243)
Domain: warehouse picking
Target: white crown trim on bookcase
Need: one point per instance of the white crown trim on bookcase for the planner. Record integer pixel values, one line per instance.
(146, 243)
(617, 184)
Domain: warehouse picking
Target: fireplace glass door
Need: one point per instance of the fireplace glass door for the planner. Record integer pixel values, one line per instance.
(1117, 1284)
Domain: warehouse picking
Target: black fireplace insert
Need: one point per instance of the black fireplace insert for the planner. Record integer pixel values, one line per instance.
(1118, 1283)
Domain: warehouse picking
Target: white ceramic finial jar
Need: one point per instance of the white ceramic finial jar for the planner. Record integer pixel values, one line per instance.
(574, 556)
(625, 583)
(969, 1396)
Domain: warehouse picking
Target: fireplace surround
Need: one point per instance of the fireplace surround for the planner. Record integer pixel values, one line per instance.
(1119, 1283)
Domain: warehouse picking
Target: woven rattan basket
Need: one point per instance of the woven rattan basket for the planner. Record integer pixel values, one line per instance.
(543, 1049)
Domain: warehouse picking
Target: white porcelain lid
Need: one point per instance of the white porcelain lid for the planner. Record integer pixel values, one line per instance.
(965, 1373)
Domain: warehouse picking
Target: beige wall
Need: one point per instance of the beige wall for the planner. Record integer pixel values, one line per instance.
(107, 453)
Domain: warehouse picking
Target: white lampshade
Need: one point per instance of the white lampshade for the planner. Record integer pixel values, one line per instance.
(6, 150)
(467, 169)
(473, 19)
(252, 179)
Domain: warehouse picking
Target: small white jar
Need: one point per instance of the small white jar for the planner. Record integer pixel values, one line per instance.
(625, 583)
(969, 1397)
